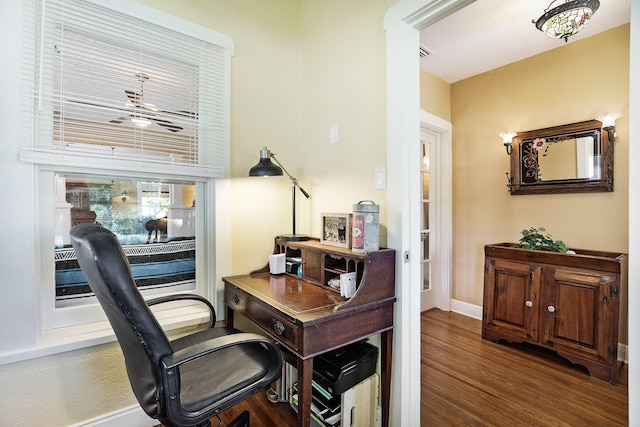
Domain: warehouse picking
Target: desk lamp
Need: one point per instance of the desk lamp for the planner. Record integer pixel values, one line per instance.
(266, 168)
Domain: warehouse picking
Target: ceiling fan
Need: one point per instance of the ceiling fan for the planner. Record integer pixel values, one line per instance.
(144, 112)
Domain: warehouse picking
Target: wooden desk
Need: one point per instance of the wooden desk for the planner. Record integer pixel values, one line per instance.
(307, 320)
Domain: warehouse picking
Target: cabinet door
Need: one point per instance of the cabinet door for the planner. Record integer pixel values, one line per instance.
(510, 300)
(578, 310)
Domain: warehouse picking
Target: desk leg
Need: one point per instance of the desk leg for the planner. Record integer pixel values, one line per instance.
(305, 375)
(386, 341)
(228, 317)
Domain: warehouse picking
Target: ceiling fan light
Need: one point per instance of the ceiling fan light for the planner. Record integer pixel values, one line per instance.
(567, 19)
(143, 123)
(147, 105)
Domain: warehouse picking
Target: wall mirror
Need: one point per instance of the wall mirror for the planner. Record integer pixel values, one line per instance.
(573, 158)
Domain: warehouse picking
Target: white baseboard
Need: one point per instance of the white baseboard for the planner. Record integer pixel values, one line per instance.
(464, 308)
(623, 353)
(132, 416)
(475, 311)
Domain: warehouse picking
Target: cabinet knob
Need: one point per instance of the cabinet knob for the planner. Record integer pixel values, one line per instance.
(235, 299)
(278, 327)
(528, 303)
(551, 309)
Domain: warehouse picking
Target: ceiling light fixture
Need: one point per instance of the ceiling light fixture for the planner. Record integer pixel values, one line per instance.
(568, 19)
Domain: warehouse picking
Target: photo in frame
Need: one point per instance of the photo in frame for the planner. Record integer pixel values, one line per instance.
(336, 229)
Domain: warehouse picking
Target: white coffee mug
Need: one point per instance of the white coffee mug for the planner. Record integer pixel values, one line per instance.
(277, 263)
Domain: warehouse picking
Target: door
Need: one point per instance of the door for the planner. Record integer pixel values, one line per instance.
(427, 293)
(434, 219)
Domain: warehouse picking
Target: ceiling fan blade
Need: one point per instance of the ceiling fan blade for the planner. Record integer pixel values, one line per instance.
(168, 125)
(134, 96)
(181, 113)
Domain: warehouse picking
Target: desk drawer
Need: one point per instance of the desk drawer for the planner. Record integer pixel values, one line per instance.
(263, 315)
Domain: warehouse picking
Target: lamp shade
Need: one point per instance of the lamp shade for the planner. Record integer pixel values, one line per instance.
(265, 166)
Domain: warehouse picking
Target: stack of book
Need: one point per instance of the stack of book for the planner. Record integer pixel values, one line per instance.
(326, 408)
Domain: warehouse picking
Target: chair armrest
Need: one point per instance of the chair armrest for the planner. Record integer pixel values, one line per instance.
(178, 297)
(204, 348)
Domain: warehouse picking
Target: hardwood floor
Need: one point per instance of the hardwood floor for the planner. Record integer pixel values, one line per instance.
(470, 382)
(263, 412)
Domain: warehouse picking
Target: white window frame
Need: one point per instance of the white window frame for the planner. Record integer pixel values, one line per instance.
(68, 328)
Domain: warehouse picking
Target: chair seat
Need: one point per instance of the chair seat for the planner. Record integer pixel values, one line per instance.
(221, 373)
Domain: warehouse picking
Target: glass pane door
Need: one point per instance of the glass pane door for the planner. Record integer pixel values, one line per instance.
(427, 296)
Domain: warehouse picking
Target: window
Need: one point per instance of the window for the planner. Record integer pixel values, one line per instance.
(111, 90)
(153, 220)
(129, 127)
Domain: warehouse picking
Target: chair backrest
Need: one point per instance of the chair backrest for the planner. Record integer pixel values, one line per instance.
(139, 334)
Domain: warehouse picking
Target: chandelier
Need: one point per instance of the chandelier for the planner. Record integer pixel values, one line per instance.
(565, 20)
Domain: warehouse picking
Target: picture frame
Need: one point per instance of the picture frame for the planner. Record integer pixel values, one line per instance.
(336, 229)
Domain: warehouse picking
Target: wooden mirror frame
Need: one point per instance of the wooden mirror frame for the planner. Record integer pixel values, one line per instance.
(604, 184)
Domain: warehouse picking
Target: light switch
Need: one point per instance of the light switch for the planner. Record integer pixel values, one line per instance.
(334, 134)
(380, 178)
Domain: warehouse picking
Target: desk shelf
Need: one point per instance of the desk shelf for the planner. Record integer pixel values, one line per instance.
(322, 263)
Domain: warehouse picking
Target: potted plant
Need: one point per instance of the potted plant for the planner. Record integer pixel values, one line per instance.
(537, 240)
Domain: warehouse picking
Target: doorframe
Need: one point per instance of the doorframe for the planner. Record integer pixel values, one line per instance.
(441, 198)
(402, 23)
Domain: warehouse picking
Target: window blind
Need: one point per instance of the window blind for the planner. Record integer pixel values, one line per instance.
(114, 91)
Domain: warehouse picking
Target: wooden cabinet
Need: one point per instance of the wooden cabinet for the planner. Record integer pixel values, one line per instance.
(568, 303)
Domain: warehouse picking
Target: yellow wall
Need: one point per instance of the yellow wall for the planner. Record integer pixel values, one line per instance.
(343, 81)
(435, 95)
(572, 83)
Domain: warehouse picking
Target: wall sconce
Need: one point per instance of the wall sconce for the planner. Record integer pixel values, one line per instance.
(609, 124)
(266, 168)
(507, 140)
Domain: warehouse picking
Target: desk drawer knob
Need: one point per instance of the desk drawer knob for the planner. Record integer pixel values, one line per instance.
(278, 327)
(235, 299)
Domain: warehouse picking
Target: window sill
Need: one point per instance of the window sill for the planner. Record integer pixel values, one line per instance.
(89, 335)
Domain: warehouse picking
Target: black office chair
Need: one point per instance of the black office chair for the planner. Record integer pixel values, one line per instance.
(184, 382)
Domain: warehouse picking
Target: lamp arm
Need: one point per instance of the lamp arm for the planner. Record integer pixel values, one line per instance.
(294, 181)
